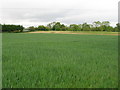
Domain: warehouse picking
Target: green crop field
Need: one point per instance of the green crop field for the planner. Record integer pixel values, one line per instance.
(59, 61)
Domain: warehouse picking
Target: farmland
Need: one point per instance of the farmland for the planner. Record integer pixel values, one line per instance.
(59, 61)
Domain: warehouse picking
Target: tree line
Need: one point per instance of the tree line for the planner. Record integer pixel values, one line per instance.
(57, 26)
(96, 26)
(12, 28)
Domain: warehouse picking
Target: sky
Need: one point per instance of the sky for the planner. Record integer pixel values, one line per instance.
(41, 12)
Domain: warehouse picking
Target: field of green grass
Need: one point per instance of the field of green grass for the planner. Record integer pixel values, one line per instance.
(95, 32)
(0, 60)
(59, 61)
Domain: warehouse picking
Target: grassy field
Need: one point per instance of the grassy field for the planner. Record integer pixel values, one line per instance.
(59, 61)
(95, 32)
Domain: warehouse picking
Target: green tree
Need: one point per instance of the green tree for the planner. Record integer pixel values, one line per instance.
(50, 25)
(63, 27)
(117, 28)
(57, 26)
(106, 23)
(86, 27)
(74, 27)
(97, 24)
(31, 28)
(12, 28)
(42, 28)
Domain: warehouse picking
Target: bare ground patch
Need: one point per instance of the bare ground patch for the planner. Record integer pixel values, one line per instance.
(67, 32)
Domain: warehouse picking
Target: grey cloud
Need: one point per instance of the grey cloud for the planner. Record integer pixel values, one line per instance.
(32, 15)
(68, 16)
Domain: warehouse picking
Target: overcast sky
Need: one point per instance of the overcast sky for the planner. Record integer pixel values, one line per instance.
(42, 12)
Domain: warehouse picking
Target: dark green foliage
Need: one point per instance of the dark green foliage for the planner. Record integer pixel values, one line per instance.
(74, 27)
(86, 27)
(118, 27)
(32, 28)
(12, 28)
(63, 27)
(96, 26)
(57, 26)
(42, 28)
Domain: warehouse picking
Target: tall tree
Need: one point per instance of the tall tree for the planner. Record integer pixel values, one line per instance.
(31, 28)
(106, 23)
(42, 28)
(86, 27)
(97, 23)
(57, 26)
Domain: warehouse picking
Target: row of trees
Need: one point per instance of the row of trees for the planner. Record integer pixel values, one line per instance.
(57, 26)
(96, 26)
(12, 28)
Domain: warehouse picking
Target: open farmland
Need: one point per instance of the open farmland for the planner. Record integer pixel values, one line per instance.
(59, 61)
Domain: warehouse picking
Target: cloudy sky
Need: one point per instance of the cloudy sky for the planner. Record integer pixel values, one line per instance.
(42, 12)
